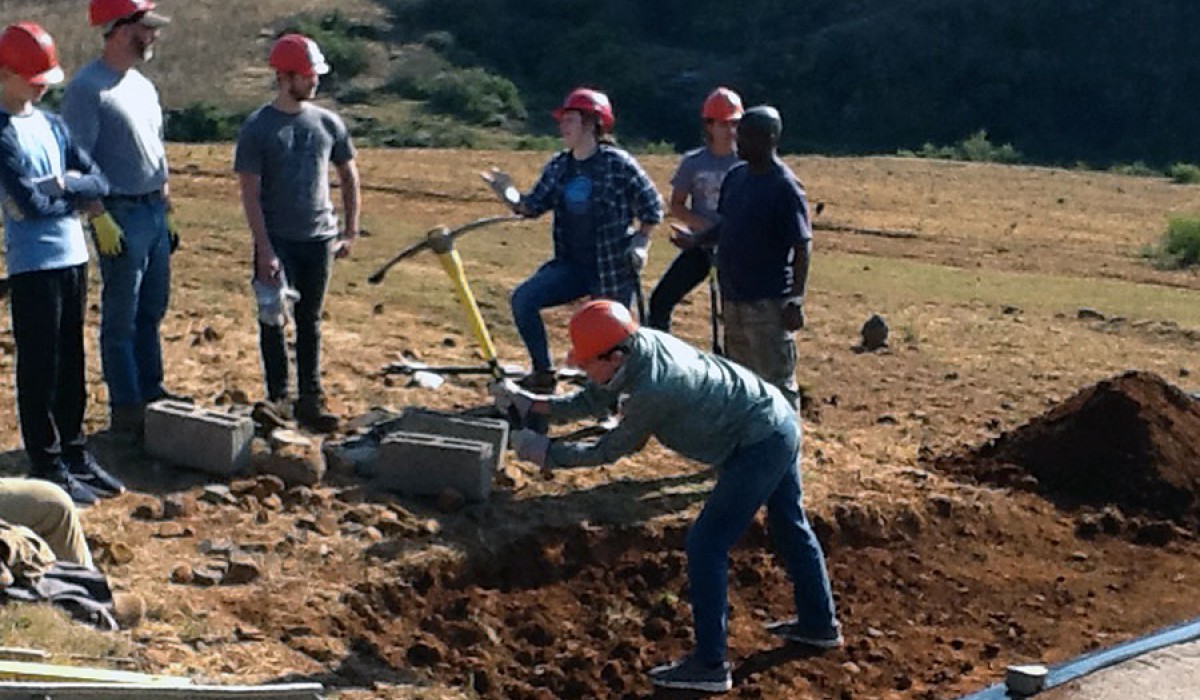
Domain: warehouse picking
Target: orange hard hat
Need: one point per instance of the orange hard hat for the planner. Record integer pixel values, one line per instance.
(296, 53)
(103, 13)
(591, 102)
(722, 105)
(27, 50)
(596, 328)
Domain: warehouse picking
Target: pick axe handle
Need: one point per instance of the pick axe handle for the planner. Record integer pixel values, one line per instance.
(452, 264)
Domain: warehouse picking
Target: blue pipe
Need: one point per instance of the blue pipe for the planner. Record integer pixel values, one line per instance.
(1097, 660)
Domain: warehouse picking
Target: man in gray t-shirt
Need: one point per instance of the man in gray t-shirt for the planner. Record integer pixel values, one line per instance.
(114, 114)
(282, 161)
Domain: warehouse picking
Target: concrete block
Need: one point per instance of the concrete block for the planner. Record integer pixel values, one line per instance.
(190, 436)
(491, 431)
(421, 464)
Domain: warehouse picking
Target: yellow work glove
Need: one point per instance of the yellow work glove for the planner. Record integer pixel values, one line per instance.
(110, 239)
(172, 232)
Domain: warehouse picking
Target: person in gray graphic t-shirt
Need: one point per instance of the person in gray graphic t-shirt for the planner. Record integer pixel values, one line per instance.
(695, 191)
(282, 161)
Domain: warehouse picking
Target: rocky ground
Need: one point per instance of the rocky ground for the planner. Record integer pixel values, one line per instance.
(988, 489)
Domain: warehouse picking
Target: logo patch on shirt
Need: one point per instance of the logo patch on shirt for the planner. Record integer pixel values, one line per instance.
(578, 194)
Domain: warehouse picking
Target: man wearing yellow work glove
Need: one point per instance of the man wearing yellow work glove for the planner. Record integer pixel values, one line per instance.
(110, 239)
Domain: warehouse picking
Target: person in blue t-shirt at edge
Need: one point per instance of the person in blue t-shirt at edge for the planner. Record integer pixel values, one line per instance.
(47, 179)
(764, 244)
(695, 193)
(596, 191)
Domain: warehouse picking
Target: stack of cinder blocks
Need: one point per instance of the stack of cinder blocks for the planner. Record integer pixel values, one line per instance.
(183, 434)
(425, 452)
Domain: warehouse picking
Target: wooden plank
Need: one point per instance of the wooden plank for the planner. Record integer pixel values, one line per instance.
(110, 691)
(50, 673)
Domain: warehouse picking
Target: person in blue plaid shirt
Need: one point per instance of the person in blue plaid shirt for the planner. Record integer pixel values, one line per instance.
(596, 190)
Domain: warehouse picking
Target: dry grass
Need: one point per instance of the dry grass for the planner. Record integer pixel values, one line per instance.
(214, 51)
(52, 630)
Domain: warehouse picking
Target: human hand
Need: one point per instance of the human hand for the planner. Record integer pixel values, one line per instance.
(501, 184)
(172, 232)
(793, 313)
(508, 395)
(344, 244)
(110, 239)
(682, 237)
(267, 267)
(531, 446)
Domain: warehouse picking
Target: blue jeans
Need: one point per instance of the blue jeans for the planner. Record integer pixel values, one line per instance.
(553, 284)
(133, 301)
(767, 472)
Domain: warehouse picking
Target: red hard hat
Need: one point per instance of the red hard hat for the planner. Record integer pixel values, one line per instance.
(598, 327)
(27, 50)
(296, 53)
(591, 102)
(104, 12)
(722, 105)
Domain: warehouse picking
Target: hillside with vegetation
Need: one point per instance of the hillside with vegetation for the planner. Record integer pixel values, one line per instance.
(1101, 81)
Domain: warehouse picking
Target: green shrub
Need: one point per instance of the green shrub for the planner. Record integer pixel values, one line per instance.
(1136, 169)
(415, 67)
(340, 42)
(1184, 173)
(476, 96)
(202, 122)
(976, 147)
(1180, 244)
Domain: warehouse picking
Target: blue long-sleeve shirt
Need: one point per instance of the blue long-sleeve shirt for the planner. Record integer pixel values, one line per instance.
(700, 405)
(41, 228)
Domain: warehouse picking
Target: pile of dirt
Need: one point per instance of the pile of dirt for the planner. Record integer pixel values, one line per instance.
(1132, 441)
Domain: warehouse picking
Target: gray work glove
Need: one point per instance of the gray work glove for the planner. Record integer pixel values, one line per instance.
(501, 184)
(531, 446)
(508, 395)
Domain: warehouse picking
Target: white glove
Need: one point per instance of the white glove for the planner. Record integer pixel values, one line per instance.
(531, 446)
(502, 185)
(508, 395)
(638, 258)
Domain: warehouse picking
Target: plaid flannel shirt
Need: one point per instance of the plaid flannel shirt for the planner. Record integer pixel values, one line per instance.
(623, 192)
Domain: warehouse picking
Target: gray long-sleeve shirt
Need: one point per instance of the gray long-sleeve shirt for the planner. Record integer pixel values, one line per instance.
(700, 405)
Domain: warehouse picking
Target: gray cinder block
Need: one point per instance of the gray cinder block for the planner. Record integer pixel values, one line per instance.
(187, 435)
(491, 431)
(421, 464)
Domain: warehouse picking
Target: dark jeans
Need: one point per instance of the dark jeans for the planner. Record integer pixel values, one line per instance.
(688, 269)
(308, 265)
(47, 317)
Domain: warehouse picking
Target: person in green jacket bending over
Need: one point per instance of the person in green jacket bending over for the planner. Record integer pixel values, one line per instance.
(712, 410)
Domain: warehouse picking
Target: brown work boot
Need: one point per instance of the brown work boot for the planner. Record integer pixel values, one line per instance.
(311, 415)
(539, 381)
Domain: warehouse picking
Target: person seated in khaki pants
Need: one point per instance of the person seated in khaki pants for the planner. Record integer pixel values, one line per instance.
(48, 511)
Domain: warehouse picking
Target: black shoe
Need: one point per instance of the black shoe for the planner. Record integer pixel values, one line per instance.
(88, 471)
(58, 475)
(311, 415)
(168, 396)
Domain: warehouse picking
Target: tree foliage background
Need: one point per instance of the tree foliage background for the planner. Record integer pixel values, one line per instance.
(1097, 80)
